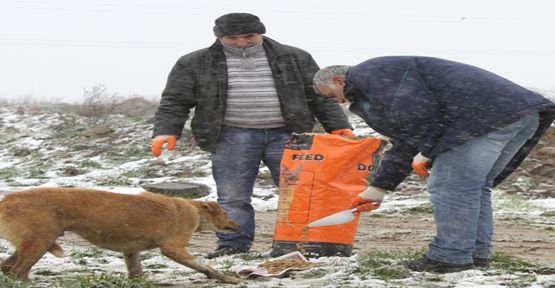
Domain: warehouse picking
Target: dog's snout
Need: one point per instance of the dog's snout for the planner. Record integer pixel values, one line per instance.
(231, 226)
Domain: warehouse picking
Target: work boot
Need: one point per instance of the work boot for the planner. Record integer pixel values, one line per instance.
(225, 250)
(426, 264)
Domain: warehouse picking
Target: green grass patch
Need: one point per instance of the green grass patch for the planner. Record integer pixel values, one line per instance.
(189, 172)
(140, 172)
(35, 182)
(8, 281)
(90, 164)
(111, 180)
(251, 256)
(92, 252)
(105, 280)
(127, 155)
(315, 273)
(82, 257)
(548, 214)
(422, 209)
(502, 261)
(149, 254)
(156, 266)
(46, 273)
(37, 167)
(226, 267)
(9, 172)
(511, 202)
(227, 263)
(67, 184)
(385, 264)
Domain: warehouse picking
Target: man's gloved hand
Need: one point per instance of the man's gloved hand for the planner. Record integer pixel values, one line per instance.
(420, 165)
(366, 206)
(369, 199)
(158, 141)
(347, 133)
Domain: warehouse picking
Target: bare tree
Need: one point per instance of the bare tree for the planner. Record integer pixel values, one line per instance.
(99, 105)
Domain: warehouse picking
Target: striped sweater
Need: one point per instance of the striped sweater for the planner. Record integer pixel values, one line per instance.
(252, 97)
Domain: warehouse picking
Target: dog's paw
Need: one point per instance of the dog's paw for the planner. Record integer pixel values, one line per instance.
(57, 250)
(231, 280)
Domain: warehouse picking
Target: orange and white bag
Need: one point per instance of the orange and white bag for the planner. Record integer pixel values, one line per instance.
(320, 175)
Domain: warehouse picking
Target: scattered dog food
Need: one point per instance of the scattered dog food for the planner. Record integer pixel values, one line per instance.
(277, 267)
(283, 264)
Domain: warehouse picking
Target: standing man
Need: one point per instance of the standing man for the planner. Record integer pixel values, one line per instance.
(476, 126)
(249, 93)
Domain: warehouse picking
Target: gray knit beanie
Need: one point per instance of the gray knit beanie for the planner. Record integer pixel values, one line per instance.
(237, 24)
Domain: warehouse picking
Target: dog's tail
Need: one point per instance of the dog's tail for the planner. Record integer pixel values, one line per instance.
(56, 250)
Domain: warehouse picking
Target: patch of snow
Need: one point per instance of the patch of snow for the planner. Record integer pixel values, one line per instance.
(548, 203)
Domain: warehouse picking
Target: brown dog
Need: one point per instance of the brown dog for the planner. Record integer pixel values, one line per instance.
(33, 219)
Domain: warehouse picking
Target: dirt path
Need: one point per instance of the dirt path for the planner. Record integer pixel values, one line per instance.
(530, 242)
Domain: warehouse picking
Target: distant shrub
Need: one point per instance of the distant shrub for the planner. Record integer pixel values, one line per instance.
(98, 105)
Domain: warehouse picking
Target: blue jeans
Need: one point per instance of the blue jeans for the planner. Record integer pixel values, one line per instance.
(235, 165)
(460, 189)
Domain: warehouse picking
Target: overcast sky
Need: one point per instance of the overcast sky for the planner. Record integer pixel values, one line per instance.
(53, 49)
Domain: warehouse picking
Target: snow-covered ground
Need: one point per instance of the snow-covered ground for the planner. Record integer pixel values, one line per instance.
(40, 149)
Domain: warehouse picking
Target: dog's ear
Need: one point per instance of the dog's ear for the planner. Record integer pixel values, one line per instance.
(211, 207)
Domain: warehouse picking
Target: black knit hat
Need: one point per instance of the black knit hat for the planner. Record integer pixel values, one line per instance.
(237, 24)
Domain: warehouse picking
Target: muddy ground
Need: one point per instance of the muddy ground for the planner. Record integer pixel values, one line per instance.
(534, 243)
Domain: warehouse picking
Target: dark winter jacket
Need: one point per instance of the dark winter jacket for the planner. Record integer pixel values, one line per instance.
(199, 80)
(431, 105)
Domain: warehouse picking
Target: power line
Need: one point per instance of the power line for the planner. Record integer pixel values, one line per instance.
(314, 49)
(93, 43)
(105, 7)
